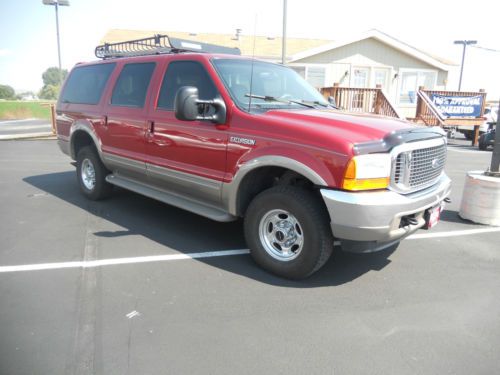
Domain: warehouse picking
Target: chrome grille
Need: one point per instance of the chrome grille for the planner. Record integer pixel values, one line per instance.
(418, 168)
(398, 168)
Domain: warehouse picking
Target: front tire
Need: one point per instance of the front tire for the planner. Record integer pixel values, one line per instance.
(287, 230)
(91, 174)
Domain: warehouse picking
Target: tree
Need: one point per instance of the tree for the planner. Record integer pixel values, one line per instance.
(49, 92)
(51, 83)
(7, 92)
(51, 76)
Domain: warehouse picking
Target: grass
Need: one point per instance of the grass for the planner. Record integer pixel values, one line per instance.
(17, 110)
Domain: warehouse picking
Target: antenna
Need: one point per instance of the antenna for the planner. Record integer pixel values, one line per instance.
(253, 59)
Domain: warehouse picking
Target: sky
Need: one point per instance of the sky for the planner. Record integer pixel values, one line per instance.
(28, 33)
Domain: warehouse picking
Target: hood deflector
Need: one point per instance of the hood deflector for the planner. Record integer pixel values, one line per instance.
(396, 138)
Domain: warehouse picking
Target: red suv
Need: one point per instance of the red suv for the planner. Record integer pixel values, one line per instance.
(199, 127)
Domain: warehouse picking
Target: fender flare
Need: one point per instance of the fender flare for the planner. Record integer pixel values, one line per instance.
(87, 127)
(230, 190)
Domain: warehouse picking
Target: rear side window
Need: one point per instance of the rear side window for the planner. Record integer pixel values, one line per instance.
(132, 85)
(86, 84)
(185, 73)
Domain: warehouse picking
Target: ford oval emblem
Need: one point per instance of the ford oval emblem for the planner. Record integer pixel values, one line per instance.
(435, 164)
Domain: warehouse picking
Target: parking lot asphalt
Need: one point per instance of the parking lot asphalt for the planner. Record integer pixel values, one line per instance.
(431, 306)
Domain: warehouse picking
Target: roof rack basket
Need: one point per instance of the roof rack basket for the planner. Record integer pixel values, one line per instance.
(158, 44)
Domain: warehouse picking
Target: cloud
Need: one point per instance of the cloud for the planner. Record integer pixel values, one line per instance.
(5, 52)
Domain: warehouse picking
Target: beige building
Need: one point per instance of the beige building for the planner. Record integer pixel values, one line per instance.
(365, 60)
(374, 58)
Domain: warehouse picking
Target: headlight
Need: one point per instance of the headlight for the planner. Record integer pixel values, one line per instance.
(368, 172)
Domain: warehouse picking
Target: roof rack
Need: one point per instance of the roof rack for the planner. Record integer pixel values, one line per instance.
(158, 44)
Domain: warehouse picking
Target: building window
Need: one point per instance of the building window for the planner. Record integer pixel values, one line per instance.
(315, 75)
(411, 81)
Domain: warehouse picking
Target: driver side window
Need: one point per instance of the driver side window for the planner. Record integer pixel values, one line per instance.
(185, 73)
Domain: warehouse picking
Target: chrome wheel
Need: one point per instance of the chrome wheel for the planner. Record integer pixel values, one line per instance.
(281, 235)
(88, 174)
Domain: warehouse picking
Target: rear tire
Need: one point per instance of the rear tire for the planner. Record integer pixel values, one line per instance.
(287, 229)
(91, 174)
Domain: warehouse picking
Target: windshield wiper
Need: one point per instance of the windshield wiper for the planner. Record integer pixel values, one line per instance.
(279, 100)
(316, 102)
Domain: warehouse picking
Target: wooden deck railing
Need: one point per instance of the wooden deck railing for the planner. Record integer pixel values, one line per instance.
(366, 100)
(427, 111)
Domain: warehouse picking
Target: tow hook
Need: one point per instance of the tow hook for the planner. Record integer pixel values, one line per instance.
(407, 220)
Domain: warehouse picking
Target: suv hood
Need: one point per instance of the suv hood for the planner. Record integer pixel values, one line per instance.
(357, 127)
(380, 132)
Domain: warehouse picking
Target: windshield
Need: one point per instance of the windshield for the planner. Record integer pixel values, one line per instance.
(277, 86)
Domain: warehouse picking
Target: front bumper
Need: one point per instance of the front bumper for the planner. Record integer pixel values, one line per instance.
(371, 221)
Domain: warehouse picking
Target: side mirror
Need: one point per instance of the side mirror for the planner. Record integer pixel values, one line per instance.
(188, 107)
(186, 103)
(331, 100)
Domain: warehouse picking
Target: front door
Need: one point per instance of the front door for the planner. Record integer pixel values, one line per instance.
(185, 157)
(360, 79)
(381, 77)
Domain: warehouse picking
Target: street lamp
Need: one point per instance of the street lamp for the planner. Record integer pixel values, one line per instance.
(57, 4)
(465, 43)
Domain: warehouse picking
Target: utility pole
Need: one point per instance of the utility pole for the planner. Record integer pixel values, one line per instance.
(283, 39)
(465, 43)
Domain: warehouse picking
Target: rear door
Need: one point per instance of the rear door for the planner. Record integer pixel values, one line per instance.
(125, 120)
(185, 157)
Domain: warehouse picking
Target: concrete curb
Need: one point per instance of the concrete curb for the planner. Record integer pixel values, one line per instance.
(12, 137)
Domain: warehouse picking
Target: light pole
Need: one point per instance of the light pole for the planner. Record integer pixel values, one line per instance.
(465, 43)
(495, 157)
(283, 39)
(56, 4)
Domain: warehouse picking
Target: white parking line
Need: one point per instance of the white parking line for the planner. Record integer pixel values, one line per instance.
(116, 261)
(471, 151)
(207, 254)
(453, 233)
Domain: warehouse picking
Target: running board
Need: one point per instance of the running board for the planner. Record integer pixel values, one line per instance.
(171, 199)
